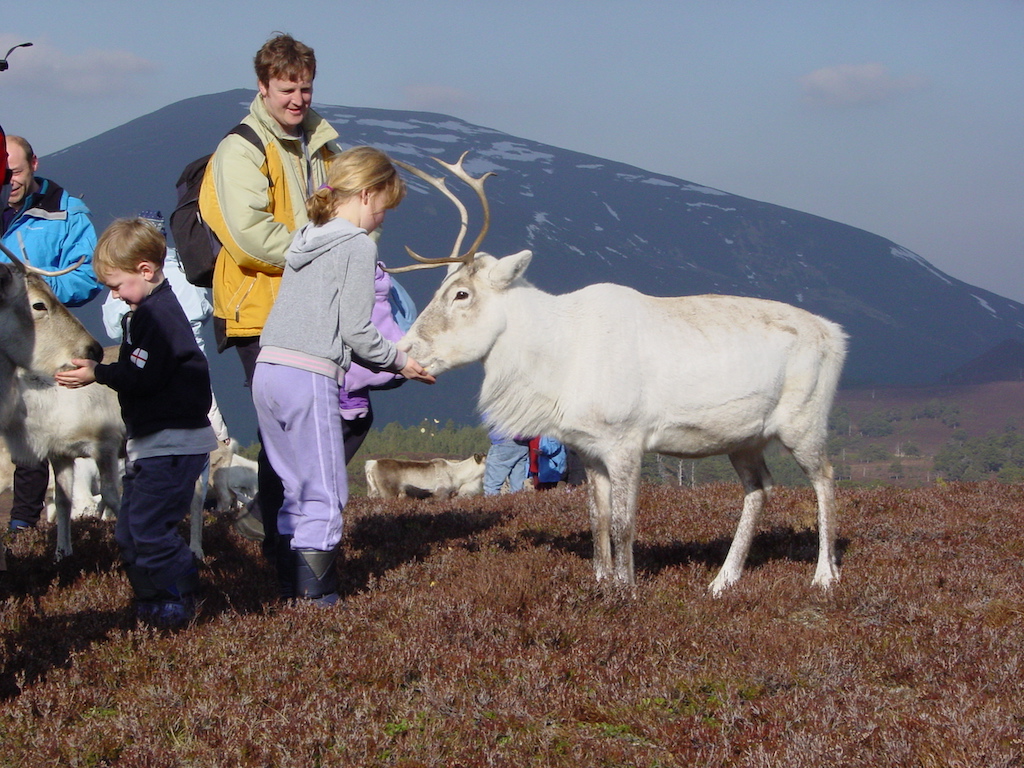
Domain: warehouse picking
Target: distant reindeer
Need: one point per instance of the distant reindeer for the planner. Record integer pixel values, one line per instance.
(233, 481)
(614, 374)
(431, 479)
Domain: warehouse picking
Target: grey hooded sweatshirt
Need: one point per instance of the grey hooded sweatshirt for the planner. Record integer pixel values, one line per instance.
(321, 316)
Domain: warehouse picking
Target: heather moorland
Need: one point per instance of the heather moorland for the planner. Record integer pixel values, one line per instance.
(472, 634)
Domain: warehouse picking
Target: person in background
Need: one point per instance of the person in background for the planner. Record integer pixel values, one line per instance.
(56, 232)
(393, 313)
(162, 380)
(547, 462)
(254, 201)
(320, 321)
(508, 458)
(5, 172)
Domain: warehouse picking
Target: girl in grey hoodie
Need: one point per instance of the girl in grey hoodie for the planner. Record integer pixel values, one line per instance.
(320, 319)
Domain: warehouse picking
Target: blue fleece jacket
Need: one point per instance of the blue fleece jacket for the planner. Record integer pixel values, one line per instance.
(57, 232)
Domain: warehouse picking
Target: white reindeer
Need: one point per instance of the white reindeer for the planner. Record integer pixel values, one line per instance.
(616, 373)
(436, 478)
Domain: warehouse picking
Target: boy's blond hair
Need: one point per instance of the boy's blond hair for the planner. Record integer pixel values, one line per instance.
(125, 244)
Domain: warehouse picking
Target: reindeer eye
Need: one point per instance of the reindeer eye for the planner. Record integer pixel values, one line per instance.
(39, 306)
(461, 295)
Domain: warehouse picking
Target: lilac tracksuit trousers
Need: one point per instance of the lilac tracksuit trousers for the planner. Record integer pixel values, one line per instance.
(301, 428)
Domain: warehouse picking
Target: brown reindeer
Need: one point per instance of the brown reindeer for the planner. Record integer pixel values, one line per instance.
(39, 419)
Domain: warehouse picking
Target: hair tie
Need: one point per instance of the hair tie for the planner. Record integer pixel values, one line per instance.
(328, 187)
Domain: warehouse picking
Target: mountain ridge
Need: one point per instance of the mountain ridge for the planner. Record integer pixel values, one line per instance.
(587, 220)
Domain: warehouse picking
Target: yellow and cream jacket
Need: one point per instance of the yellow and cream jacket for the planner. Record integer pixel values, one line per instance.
(254, 201)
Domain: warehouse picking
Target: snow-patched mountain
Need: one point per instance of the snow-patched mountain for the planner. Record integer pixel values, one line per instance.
(587, 220)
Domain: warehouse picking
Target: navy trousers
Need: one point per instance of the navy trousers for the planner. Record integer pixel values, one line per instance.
(156, 498)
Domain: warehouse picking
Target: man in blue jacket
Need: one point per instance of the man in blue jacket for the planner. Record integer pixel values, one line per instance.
(54, 226)
(56, 232)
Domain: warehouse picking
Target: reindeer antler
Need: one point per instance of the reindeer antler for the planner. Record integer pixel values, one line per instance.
(476, 183)
(24, 266)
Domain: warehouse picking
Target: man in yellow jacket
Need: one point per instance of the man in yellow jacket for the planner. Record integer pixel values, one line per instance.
(254, 200)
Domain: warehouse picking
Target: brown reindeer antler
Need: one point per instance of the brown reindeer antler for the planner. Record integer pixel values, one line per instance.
(476, 183)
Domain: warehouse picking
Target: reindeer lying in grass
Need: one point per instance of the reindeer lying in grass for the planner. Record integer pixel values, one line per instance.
(434, 478)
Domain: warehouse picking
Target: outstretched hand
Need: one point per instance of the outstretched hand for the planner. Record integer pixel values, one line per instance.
(77, 377)
(414, 370)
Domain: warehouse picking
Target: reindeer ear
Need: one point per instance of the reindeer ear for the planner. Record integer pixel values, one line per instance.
(508, 269)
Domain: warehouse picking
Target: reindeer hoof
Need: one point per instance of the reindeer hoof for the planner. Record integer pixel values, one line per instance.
(722, 582)
(826, 579)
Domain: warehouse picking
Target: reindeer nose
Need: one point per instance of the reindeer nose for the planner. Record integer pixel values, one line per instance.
(94, 352)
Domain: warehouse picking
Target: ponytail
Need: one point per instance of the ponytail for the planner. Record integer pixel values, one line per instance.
(349, 173)
(321, 204)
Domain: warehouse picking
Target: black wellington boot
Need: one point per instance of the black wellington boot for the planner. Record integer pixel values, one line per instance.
(316, 575)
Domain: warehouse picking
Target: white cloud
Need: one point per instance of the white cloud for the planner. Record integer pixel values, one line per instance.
(855, 84)
(46, 70)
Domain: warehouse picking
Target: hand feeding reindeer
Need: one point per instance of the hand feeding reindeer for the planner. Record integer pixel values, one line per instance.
(695, 376)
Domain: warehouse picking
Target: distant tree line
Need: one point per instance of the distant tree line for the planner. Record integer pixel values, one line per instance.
(963, 458)
(428, 438)
(999, 456)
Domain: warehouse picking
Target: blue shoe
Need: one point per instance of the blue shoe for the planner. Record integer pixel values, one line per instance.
(146, 610)
(166, 614)
(17, 526)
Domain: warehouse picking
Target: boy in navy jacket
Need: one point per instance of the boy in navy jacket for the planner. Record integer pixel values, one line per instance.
(162, 382)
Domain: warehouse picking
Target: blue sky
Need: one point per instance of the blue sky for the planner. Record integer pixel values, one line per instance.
(902, 117)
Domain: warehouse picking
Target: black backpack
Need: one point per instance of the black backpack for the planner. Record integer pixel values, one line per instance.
(197, 245)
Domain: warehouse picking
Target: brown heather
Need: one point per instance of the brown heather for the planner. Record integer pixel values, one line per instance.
(472, 635)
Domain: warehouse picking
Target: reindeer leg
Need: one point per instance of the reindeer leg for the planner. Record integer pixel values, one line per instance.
(625, 488)
(819, 470)
(82, 498)
(196, 513)
(815, 463)
(827, 571)
(109, 466)
(599, 506)
(757, 484)
(63, 485)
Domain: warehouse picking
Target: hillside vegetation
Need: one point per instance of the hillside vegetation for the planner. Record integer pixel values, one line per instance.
(919, 435)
